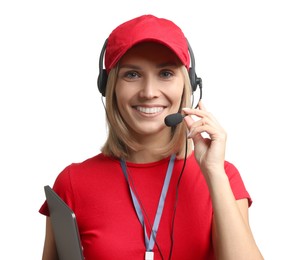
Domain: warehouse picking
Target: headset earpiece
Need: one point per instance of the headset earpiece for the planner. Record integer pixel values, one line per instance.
(103, 75)
(102, 82)
(194, 80)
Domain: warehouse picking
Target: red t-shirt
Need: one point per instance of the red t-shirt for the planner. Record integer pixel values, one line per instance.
(97, 191)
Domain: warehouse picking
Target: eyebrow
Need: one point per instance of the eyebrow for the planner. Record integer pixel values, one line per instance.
(129, 66)
(168, 64)
(162, 65)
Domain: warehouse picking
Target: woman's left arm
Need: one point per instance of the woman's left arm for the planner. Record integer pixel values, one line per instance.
(232, 236)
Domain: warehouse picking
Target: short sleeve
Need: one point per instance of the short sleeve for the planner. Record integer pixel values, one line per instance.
(236, 183)
(62, 186)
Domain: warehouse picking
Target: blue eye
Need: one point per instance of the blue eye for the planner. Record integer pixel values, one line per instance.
(131, 74)
(166, 74)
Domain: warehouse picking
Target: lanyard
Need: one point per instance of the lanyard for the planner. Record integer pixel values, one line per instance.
(149, 242)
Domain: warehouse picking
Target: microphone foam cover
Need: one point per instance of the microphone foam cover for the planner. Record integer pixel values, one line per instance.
(173, 119)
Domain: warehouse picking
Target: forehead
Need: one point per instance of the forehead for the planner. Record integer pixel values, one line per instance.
(151, 51)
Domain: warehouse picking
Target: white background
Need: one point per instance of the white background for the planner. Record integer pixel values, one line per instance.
(52, 115)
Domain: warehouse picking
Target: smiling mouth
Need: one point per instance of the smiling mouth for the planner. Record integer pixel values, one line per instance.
(149, 110)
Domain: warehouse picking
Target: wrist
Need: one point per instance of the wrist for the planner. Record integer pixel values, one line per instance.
(216, 176)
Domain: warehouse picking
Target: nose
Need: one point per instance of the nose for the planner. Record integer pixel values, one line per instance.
(149, 89)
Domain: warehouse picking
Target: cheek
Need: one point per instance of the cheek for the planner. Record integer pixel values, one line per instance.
(122, 97)
(175, 94)
(120, 103)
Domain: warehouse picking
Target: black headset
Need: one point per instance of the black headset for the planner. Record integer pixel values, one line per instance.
(103, 76)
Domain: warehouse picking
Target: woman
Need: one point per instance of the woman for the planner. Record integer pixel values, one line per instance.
(155, 192)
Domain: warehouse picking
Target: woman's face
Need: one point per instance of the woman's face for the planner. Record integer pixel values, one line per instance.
(149, 87)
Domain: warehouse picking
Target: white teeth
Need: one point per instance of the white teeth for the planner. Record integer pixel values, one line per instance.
(149, 110)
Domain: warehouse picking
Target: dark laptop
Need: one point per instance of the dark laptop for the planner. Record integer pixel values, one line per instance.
(64, 227)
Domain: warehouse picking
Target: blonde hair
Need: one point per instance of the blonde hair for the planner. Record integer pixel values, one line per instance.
(120, 143)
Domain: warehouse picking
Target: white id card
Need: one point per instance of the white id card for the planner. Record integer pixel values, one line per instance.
(149, 255)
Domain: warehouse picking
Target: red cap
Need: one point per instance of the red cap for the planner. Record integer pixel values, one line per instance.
(143, 29)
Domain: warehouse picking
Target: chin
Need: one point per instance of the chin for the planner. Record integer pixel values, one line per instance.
(150, 128)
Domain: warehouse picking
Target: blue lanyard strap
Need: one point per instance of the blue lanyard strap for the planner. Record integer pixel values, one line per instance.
(149, 242)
